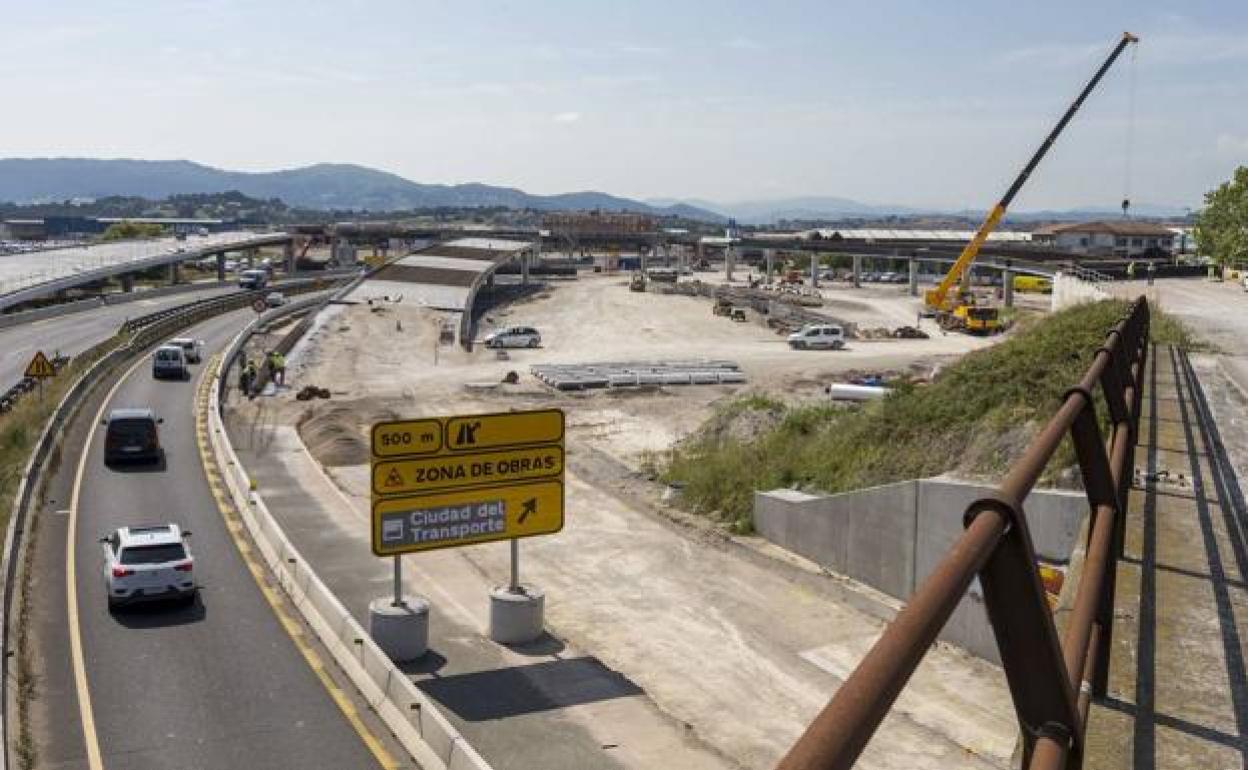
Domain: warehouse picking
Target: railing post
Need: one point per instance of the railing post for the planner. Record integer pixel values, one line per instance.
(1026, 637)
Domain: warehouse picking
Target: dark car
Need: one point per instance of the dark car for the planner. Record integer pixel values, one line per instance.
(131, 435)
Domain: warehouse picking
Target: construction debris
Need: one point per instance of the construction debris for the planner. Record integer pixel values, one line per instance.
(632, 374)
(309, 392)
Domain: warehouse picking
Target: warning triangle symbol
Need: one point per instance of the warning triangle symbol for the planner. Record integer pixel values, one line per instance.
(40, 366)
(394, 478)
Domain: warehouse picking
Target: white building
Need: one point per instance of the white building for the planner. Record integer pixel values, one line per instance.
(1118, 238)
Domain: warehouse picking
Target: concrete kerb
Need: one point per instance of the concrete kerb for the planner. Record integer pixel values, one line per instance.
(414, 719)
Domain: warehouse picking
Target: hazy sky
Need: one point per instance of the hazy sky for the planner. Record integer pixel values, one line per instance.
(908, 102)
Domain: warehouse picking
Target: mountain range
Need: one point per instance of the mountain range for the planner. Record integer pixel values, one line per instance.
(761, 212)
(322, 186)
(336, 186)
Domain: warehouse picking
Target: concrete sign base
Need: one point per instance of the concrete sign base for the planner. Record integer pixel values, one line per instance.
(516, 618)
(401, 631)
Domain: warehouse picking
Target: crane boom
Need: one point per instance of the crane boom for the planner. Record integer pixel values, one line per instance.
(937, 298)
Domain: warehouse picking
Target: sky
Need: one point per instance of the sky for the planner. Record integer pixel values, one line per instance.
(904, 102)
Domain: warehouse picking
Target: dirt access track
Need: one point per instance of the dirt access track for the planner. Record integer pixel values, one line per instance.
(734, 645)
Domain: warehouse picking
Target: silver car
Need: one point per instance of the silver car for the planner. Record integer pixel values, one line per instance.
(192, 348)
(818, 337)
(169, 361)
(514, 337)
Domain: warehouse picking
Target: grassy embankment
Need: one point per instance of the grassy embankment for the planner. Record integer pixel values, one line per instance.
(20, 429)
(973, 420)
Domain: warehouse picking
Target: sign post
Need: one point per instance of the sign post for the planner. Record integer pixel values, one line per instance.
(40, 368)
(446, 482)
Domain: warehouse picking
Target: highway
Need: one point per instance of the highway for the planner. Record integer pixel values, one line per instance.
(73, 333)
(219, 684)
(18, 271)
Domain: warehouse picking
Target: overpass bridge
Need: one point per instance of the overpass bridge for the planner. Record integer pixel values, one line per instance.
(38, 275)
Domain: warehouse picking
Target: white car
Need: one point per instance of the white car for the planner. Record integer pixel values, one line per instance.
(275, 299)
(192, 349)
(514, 337)
(169, 361)
(148, 563)
(818, 337)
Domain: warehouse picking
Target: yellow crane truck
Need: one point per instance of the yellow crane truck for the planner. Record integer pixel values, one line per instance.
(956, 308)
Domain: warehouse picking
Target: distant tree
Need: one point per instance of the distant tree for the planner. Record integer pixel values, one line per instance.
(1222, 226)
(127, 230)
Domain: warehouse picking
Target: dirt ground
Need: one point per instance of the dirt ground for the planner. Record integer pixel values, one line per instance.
(700, 621)
(383, 359)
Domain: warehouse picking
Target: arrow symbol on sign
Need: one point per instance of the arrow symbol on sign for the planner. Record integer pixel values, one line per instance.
(530, 506)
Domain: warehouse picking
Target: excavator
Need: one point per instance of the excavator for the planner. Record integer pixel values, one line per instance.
(956, 308)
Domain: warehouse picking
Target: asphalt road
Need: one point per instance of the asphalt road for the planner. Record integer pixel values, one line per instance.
(18, 270)
(71, 334)
(215, 685)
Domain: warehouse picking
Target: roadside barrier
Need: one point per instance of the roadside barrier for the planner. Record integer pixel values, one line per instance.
(152, 331)
(1052, 678)
(413, 718)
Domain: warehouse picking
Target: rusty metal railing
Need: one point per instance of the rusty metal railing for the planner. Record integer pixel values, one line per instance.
(1051, 681)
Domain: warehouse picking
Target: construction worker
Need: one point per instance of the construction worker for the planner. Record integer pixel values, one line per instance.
(1131, 271)
(277, 365)
(1152, 268)
(247, 378)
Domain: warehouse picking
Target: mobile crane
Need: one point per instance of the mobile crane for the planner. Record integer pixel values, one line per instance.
(956, 309)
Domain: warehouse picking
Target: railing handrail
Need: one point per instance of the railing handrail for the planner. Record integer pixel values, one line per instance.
(1051, 681)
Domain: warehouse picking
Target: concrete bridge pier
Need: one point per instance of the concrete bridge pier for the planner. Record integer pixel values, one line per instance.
(127, 282)
(701, 252)
(857, 271)
(221, 266)
(769, 257)
(814, 270)
(730, 259)
(175, 273)
(1007, 285)
(288, 257)
(524, 267)
(914, 277)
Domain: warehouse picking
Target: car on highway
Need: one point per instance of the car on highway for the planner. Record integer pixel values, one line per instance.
(148, 563)
(818, 337)
(192, 348)
(169, 361)
(132, 435)
(253, 279)
(275, 299)
(513, 337)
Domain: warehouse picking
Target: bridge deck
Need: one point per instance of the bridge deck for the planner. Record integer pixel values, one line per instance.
(1177, 695)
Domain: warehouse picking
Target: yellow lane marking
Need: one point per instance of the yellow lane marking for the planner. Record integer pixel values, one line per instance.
(89, 737)
(275, 599)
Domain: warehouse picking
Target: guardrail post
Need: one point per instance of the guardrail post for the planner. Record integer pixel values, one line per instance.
(1026, 637)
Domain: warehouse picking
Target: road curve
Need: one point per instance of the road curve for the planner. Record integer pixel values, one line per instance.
(215, 685)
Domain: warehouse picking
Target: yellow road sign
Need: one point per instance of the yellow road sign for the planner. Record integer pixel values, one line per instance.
(407, 437)
(472, 433)
(439, 482)
(428, 473)
(481, 515)
(40, 366)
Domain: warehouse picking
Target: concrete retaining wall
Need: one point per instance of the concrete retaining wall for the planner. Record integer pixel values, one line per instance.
(892, 537)
(1071, 290)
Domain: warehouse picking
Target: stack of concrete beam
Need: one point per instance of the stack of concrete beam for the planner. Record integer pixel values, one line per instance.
(627, 374)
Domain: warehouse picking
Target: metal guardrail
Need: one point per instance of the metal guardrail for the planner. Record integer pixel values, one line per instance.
(1051, 682)
(243, 298)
